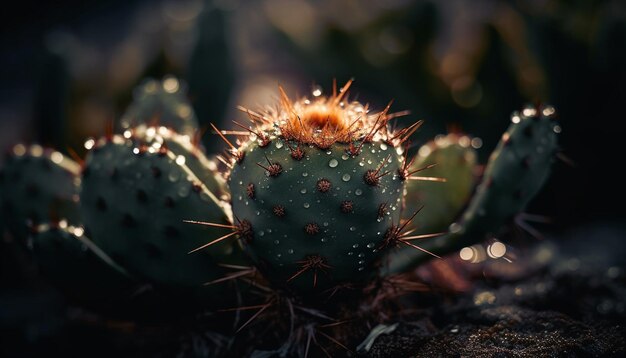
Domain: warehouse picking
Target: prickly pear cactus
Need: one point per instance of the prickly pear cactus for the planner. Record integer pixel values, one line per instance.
(161, 103)
(516, 171)
(316, 191)
(135, 199)
(78, 267)
(38, 185)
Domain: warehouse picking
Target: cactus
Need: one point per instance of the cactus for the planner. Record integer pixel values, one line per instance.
(516, 171)
(38, 185)
(318, 189)
(134, 198)
(79, 268)
(320, 194)
(161, 103)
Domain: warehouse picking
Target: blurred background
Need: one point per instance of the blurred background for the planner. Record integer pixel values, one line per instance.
(68, 68)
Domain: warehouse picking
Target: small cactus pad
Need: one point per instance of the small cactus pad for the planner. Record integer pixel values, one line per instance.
(78, 267)
(319, 187)
(38, 185)
(135, 200)
(516, 171)
(161, 103)
(448, 157)
(454, 160)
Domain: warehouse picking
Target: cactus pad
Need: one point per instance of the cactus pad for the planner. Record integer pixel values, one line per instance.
(38, 185)
(162, 103)
(319, 187)
(135, 200)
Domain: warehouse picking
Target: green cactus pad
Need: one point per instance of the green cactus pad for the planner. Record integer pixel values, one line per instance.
(517, 169)
(78, 267)
(161, 103)
(455, 161)
(38, 185)
(315, 220)
(440, 203)
(135, 200)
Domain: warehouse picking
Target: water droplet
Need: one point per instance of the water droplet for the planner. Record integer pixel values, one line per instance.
(350, 253)
(290, 251)
(352, 228)
(306, 205)
(258, 213)
(369, 161)
(361, 268)
(183, 190)
(361, 164)
(325, 223)
(333, 163)
(305, 174)
(303, 191)
(361, 255)
(345, 156)
(323, 239)
(345, 177)
(261, 233)
(557, 129)
(180, 160)
(355, 246)
(383, 146)
(358, 192)
(279, 144)
(361, 262)
(276, 242)
(370, 245)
